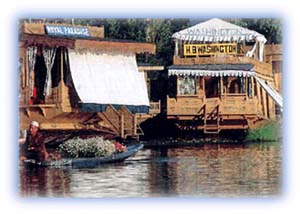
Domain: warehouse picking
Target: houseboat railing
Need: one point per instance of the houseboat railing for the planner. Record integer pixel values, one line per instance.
(128, 122)
(154, 107)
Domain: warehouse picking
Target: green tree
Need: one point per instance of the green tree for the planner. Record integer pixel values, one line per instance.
(126, 29)
(159, 31)
(270, 28)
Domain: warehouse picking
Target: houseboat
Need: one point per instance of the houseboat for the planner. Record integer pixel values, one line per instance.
(217, 83)
(73, 79)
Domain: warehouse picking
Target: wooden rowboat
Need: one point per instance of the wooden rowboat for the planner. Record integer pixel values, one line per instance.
(86, 162)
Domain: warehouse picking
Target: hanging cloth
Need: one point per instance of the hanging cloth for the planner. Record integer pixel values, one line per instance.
(271, 91)
(31, 53)
(49, 56)
(261, 50)
(251, 52)
(108, 78)
(261, 40)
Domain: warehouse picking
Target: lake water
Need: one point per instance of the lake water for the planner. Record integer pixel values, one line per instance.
(213, 170)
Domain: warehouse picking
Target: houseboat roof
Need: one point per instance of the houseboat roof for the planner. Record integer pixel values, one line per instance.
(90, 44)
(77, 37)
(217, 30)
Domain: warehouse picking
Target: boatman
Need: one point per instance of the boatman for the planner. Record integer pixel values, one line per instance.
(33, 146)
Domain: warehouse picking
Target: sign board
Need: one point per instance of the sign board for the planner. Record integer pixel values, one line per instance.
(67, 31)
(209, 49)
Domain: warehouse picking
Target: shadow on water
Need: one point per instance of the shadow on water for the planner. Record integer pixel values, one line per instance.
(212, 170)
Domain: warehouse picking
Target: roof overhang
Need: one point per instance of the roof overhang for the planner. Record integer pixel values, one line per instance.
(91, 45)
(150, 68)
(214, 70)
(121, 46)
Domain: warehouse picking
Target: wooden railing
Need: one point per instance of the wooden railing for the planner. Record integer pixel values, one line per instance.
(54, 97)
(129, 122)
(273, 49)
(123, 122)
(113, 116)
(229, 104)
(184, 105)
(238, 104)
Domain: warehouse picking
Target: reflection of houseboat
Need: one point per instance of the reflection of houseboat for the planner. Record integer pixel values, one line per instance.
(71, 78)
(217, 85)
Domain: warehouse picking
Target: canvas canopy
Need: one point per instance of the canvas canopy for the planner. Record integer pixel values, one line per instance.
(217, 30)
(108, 78)
(271, 92)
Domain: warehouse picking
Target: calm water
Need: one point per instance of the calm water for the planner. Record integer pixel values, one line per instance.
(212, 170)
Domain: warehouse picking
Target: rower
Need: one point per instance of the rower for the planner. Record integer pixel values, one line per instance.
(33, 147)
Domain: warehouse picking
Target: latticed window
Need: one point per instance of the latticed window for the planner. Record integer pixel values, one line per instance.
(186, 85)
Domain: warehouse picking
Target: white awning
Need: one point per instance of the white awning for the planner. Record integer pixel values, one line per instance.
(108, 78)
(217, 30)
(213, 73)
(271, 91)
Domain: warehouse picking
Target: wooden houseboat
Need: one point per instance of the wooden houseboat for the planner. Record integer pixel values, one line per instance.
(217, 84)
(72, 79)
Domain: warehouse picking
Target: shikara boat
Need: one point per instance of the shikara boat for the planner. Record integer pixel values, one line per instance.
(86, 162)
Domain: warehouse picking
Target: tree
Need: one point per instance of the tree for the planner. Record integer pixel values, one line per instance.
(270, 28)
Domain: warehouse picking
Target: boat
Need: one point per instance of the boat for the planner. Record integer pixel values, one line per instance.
(86, 162)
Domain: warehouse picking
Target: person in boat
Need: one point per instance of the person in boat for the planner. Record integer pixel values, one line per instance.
(33, 146)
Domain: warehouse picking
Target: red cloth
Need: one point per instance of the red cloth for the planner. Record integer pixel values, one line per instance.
(33, 97)
(119, 147)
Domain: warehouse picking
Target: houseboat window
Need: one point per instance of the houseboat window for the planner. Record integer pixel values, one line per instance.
(56, 69)
(186, 85)
(235, 86)
(225, 84)
(21, 72)
(212, 87)
(40, 73)
(39, 79)
(172, 86)
(277, 66)
(255, 89)
(250, 93)
(243, 84)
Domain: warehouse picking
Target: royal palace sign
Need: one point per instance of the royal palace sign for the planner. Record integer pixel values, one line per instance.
(209, 49)
(67, 31)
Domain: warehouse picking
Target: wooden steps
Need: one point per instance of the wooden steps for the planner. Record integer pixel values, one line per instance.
(212, 118)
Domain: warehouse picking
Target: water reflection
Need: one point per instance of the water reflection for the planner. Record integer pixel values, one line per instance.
(44, 182)
(211, 170)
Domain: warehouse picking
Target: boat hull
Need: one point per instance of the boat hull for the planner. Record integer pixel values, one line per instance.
(86, 162)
